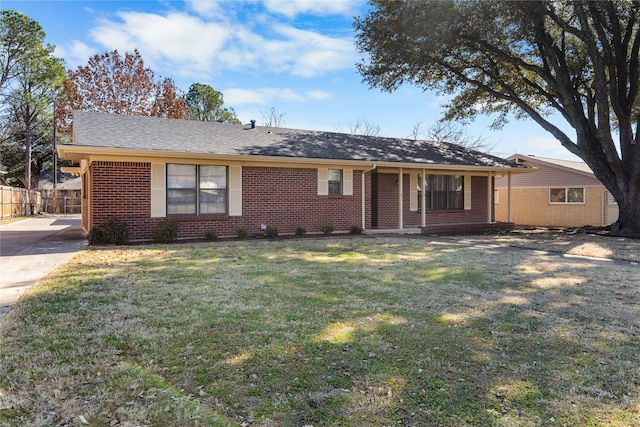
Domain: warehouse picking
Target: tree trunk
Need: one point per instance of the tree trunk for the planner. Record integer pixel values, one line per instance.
(629, 214)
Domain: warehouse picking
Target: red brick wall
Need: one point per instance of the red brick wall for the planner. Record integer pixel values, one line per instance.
(285, 198)
(388, 200)
(122, 190)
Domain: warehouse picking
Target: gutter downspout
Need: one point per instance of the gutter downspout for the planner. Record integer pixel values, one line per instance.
(363, 192)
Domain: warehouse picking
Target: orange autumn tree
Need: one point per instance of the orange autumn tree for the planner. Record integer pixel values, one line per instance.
(119, 84)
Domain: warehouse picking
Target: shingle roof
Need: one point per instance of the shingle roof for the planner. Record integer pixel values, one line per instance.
(185, 136)
(567, 164)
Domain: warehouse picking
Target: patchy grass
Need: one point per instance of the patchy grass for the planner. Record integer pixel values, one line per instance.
(349, 332)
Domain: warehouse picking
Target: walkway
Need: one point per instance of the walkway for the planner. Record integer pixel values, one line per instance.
(32, 248)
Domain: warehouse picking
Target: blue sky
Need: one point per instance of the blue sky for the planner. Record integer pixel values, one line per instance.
(295, 55)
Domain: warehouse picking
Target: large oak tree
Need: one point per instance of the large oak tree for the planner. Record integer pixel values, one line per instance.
(577, 60)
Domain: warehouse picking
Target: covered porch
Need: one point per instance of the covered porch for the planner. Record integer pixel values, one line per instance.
(431, 201)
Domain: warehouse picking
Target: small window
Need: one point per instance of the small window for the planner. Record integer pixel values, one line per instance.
(566, 195)
(335, 181)
(575, 195)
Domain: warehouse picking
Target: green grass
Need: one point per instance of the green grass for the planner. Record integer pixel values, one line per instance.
(324, 332)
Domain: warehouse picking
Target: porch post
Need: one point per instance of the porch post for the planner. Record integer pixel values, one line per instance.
(509, 197)
(423, 200)
(489, 198)
(400, 198)
(363, 201)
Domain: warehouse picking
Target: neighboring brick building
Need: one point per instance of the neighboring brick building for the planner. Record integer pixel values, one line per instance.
(218, 176)
(559, 193)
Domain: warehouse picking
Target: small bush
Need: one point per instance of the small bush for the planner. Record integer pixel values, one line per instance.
(328, 229)
(356, 229)
(167, 232)
(211, 235)
(300, 231)
(242, 233)
(113, 231)
(271, 232)
(97, 236)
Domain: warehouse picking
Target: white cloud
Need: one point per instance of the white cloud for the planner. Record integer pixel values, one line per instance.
(319, 94)
(292, 8)
(270, 96)
(190, 45)
(319, 53)
(545, 147)
(75, 54)
(205, 7)
(176, 37)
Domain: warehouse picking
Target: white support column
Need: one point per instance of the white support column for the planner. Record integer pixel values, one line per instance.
(400, 199)
(423, 200)
(363, 202)
(509, 197)
(489, 198)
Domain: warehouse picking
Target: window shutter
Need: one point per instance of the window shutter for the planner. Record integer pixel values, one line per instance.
(323, 181)
(347, 184)
(158, 190)
(235, 190)
(467, 192)
(413, 192)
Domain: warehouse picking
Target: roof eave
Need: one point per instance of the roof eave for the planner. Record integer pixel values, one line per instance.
(76, 153)
(539, 161)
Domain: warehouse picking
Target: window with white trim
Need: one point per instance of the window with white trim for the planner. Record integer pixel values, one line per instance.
(442, 191)
(196, 189)
(566, 195)
(335, 181)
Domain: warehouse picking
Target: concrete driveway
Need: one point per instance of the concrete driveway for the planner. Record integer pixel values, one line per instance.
(32, 248)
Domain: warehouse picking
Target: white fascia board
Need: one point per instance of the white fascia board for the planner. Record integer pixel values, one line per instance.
(76, 153)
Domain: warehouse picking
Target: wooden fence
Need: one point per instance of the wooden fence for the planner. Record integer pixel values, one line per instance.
(19, 202)
(61, 204)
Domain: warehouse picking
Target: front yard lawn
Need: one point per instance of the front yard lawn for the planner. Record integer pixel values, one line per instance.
(348, 332)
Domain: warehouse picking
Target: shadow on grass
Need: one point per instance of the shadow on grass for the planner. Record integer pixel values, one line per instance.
(363, 332)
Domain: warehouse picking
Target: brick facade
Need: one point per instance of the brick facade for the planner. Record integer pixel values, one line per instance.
(530, 206)
(122, 190)
(284, 198)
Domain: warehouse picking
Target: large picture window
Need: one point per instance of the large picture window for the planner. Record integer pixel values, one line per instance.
(196, 189)
(443, 191)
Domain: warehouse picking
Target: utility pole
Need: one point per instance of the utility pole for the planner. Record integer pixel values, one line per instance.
(55, 155)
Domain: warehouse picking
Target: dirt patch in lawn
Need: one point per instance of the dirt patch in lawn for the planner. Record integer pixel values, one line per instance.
(588, 242)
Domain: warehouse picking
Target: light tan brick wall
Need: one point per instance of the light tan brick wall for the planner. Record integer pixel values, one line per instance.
(530, 206)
